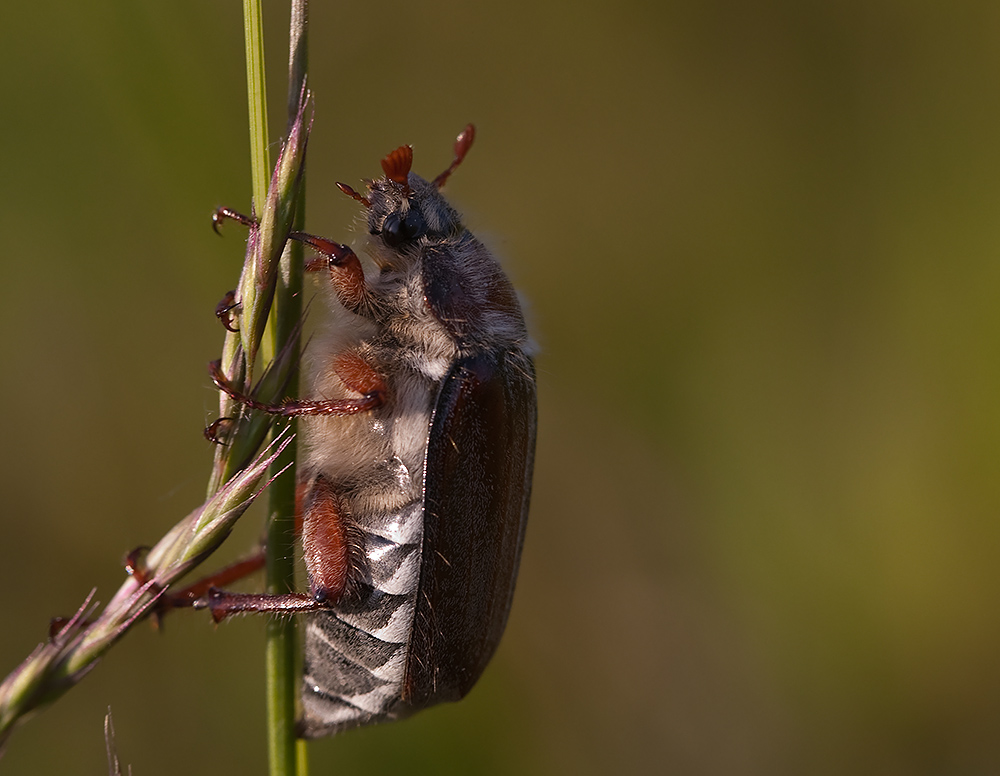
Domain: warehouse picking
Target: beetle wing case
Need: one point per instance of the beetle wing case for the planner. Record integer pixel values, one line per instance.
(433, 485)
(476, 490)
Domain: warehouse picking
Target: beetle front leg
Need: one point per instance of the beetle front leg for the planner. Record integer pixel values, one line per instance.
(225, 311)
(346, 274)
(345, 269)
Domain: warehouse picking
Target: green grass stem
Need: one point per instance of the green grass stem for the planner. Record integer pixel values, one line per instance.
(286, 753)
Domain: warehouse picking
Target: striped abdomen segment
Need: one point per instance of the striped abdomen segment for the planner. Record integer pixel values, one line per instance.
(356, 653)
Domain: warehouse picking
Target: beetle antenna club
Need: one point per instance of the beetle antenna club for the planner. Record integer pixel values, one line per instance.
(396, 167)
(462, 145)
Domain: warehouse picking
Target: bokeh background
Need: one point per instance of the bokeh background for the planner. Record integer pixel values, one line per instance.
(761, 247)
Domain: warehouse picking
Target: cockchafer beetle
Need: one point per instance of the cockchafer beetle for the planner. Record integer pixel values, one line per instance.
(416, 463)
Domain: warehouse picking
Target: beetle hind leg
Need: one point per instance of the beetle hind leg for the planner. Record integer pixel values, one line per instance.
(222, 603)
(191, 595)
(331, 548)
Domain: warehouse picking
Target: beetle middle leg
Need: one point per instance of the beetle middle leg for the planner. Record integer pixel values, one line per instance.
(372, 389)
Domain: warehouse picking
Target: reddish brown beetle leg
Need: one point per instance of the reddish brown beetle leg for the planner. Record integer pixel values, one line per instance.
(225, 576)
(326, 547)
(223, 213)
(218, 431)
(357, 374)
(225, 310)
(223, 604)
(325, 541)
(133, 567)
(346, 274)
(291, 408)
(188, 595)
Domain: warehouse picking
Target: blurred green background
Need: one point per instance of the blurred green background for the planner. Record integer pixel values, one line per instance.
(760, 247)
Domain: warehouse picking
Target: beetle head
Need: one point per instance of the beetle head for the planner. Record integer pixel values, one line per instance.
(405, 210)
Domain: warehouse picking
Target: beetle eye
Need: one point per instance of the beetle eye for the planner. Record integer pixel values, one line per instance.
(397, 230)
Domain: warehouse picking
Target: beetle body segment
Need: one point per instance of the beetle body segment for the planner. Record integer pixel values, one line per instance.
(431, 487)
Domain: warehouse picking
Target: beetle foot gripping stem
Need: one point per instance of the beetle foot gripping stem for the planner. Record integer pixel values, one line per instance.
(226, 311)
(224, 213)
(190, 595)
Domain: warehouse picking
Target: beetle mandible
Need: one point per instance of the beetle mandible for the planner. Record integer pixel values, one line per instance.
(415, 466)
